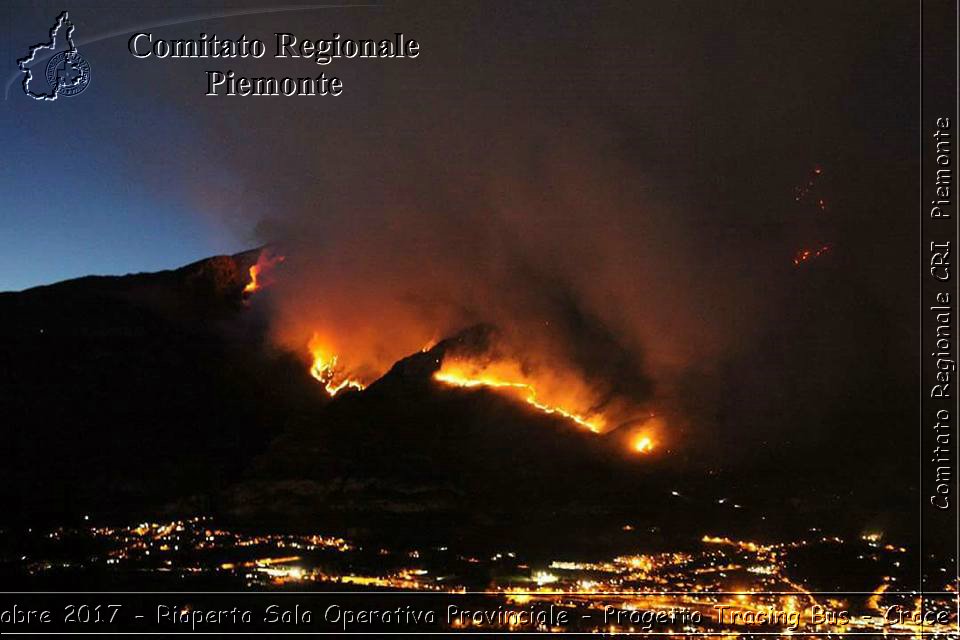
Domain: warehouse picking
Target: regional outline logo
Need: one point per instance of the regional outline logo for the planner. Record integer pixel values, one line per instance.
(67, 72)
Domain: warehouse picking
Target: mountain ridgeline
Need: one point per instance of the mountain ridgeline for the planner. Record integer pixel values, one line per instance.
(159, 393)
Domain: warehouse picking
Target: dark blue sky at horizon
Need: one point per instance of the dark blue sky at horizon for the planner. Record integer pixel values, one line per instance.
(90, 182)
(715, 108)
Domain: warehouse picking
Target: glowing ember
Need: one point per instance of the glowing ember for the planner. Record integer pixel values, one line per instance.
(806, 254)
(326, 371)
(808, 195)
(801, 192)
(259, 273)
(462, 374)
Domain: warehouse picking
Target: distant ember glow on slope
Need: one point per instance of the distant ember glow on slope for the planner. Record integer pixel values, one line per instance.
(808, 195)
(326, 370)
(507, 376)
(802, 192)
(807, 254)
(260, 272)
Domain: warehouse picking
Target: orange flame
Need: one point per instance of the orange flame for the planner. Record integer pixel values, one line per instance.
(643, 444)
(648, 436)
(259, 272)
(326, 370)
(463, 373)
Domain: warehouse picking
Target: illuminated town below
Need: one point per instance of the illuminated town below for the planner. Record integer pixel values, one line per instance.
(718, 585)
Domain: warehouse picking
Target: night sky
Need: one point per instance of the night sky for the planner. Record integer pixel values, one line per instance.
(718, 108)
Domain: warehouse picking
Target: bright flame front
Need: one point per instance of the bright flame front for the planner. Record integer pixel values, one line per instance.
(462, 373)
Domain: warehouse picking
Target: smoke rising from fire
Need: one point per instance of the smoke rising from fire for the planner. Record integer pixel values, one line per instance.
(621, 211)
(556, 246)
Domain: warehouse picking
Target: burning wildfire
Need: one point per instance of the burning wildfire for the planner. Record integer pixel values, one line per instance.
(260, 272)
(643, 444)
(550, 388)
(506, 376)
(648, 436)
(326, 370)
